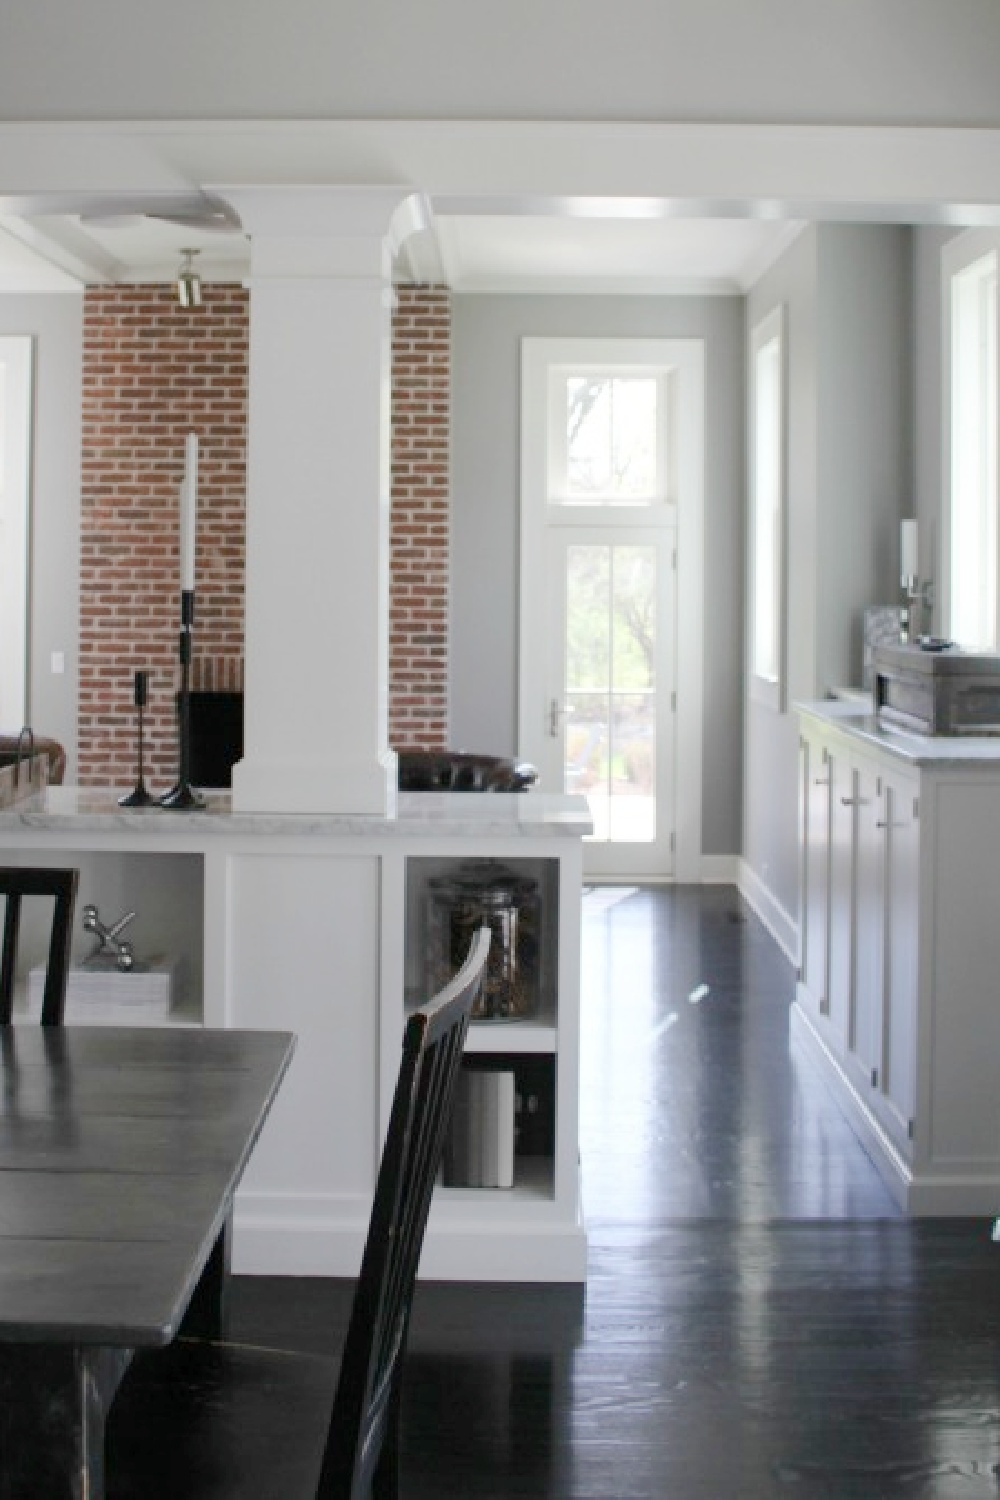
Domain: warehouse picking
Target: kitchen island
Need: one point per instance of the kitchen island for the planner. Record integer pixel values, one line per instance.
(899, 977)
(319, 925)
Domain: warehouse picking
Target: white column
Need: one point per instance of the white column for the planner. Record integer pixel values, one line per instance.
(318, 491)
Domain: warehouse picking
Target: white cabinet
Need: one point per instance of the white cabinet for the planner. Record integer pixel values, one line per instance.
(315, 925)
(542, 1209)
(814, 833)
(898, 895)
(899, 986)
(847, 866)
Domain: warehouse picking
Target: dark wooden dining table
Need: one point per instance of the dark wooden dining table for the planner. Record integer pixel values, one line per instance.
(120, 1153)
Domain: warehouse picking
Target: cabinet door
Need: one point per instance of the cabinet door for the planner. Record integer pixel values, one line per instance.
(897, 1082)
(864, 1032)
(815, 873)
(843, 793)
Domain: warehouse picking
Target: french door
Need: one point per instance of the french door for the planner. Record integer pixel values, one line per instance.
(608, 729)
(611, 499)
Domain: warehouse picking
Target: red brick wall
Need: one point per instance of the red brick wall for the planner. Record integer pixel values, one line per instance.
(421, 441)
(152, 373)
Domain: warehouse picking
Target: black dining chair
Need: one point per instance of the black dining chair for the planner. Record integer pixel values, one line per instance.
(61, 886)
(231, 1422)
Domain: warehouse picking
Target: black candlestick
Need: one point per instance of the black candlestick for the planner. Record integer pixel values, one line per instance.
(139, 797)
(183, 797)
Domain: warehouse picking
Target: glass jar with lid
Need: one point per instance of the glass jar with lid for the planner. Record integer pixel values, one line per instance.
(485, 892)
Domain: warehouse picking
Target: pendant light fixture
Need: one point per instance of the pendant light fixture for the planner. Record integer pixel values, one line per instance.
(188, 281)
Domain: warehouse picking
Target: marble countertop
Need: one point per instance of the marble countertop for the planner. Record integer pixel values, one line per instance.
(95, 810)
(933, 751)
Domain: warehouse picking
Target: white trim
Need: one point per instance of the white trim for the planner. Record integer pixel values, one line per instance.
(16, 366)
(771, 691)
(854, 173)
(957, 255)
(782, 927)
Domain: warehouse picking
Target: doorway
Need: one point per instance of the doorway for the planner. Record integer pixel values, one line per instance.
(611, 507)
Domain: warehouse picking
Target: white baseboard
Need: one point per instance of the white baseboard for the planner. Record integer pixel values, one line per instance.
(920, 1192)
(319, 1235)
(782, 927)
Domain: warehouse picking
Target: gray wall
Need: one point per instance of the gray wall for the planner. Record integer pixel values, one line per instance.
(56, 324)
(485, 462)
(864, 434)
(860, 61)
(770, 825)
(847, 291)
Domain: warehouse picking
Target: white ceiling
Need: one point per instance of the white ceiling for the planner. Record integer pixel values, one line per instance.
(106, 241)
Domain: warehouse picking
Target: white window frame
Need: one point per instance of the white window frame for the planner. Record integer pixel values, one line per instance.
(16, 359)
(683, 506)
(768, 509)
(965, 263)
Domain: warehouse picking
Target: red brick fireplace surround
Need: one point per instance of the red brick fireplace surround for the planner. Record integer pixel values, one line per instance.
(154, 372)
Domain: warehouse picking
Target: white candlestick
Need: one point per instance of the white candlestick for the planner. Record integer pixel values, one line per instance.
(189, 511)
(908, 564)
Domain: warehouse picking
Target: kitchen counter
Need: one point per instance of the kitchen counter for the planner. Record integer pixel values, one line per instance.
(95, 810)
(934, 752)
(320, 925)
(899, 947)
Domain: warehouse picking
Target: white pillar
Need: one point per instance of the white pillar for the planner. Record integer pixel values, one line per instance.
(318, 492)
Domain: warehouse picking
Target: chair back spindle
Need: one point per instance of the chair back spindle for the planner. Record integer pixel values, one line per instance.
(61, 886)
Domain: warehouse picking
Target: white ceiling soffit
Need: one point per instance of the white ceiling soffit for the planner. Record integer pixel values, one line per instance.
(491, 253)
(22, 269)
(609, 247)
(95, 240)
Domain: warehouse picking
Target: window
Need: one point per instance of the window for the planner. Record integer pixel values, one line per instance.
(973, 569)
(767, 509)
(608, 437)
(15, 439)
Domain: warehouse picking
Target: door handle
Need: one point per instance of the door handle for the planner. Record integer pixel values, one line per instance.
(557, 711)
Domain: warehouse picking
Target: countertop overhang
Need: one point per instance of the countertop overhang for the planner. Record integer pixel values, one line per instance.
(935, 752)
(86, 810)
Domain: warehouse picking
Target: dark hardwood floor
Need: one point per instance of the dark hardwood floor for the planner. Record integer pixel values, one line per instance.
(758, 1321)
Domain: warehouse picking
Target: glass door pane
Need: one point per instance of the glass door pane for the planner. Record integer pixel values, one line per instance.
(609, 695)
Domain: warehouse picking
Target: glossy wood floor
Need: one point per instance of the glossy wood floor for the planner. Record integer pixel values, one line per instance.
(758, 1320)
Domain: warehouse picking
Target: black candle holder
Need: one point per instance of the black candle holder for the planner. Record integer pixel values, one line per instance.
(139, 796)
(183, 797)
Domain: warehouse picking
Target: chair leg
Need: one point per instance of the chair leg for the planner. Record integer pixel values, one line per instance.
(385, 1480)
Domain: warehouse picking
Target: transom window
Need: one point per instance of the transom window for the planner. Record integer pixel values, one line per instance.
(608, 436)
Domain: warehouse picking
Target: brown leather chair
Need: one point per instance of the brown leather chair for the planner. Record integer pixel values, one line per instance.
(14, 747)
(462, 771)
